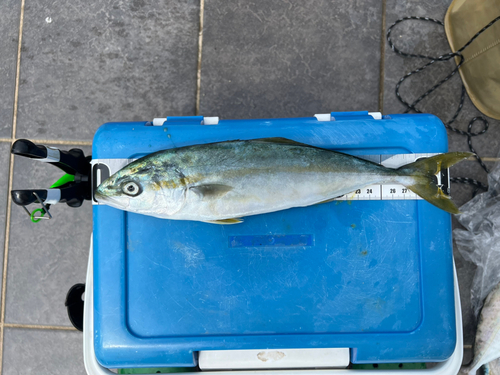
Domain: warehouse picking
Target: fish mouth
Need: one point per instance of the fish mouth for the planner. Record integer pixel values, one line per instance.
(110, 201)
(99, 197)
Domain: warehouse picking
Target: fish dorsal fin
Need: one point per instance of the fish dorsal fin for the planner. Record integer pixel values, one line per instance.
(283, 141)
(210, 190)
(225, 221)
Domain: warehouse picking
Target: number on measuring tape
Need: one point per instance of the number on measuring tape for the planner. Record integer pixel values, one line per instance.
(392, 191)
(397, 192)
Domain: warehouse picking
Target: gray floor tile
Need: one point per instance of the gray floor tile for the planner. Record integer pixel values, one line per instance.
(29, 351)
(95, 62)
(10, 11)
(4, 183)
(429, 39)
(48, 257)
(284, 59)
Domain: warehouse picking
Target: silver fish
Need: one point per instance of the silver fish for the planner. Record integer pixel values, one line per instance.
(492, 368)
(487, 345)
(222, 182)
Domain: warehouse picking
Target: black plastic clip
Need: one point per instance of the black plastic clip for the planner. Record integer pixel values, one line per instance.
(72, 189)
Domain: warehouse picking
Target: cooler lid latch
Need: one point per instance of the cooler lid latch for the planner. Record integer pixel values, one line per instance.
(356, 115)
(213, 120)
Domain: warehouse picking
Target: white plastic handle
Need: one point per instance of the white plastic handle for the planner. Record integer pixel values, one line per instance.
(159, 121)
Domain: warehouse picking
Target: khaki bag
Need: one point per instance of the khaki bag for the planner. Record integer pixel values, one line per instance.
(480, 71)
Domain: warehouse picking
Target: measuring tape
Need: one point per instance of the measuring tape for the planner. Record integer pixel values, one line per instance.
(394, 191)
(103, 168)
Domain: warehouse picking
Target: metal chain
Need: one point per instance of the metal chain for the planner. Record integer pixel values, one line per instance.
(412, 106)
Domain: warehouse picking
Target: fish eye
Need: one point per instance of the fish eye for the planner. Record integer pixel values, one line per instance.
(131, 188)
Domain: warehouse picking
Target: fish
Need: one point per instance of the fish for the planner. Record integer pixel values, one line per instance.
(487, 344)
(492, 368)
(224, 182)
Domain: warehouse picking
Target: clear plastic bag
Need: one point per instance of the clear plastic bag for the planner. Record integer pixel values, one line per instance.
(480, 243)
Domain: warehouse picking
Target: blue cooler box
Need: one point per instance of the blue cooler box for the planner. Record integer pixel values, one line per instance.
(375, 276)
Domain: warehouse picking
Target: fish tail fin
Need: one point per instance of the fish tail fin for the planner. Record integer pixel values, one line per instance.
(423, 180)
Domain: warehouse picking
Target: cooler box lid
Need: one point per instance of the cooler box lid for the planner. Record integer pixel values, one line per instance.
(374, 276)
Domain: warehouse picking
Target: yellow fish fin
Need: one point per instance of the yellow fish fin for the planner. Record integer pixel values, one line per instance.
(225, 221)
(424, 183)
(327, 201)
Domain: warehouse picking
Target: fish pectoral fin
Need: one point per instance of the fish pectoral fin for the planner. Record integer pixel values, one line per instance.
(210, 190)
(225, 221)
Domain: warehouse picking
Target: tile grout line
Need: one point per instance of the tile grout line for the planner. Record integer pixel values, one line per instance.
(62, 142)
(38, 326)
(9, 198)
(89, 143)
(51, 141)
(198, 70)
(382, 61)
(18, 71)
(5, 258)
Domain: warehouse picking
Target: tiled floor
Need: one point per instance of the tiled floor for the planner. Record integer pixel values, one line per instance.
(86, 63)
(289, 59)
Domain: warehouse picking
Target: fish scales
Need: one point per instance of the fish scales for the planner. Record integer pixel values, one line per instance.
(265, 177)
(233, 179)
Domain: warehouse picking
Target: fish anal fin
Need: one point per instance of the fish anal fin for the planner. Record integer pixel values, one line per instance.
(327, 201)
(225, 221)
(211, 190)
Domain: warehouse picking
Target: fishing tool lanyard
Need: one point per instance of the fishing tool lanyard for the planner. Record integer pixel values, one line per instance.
(445, 57)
